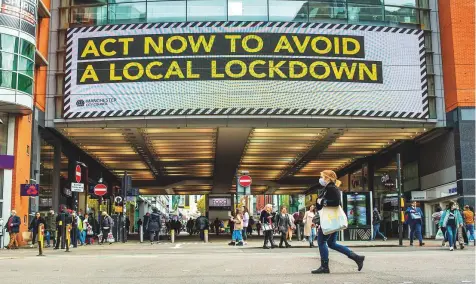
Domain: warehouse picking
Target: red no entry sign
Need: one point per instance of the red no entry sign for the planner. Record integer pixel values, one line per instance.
(245, 181)
(100, 189)
(78, 173)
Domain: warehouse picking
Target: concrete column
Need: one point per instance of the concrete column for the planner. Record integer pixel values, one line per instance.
(56, 176)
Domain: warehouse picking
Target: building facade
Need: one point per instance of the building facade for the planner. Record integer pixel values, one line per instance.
(183, 95)
(24, 33)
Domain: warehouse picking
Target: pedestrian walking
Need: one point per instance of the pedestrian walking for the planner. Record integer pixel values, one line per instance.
(50, 228)
(62, 220)
(283, 223)
(462, 237)
(153, 225)
(216, 225)
(289, 234)
(246, 220)
(451, 219)
(468, 215)
(88, 231)
(201, 224)
(258, 228)
(309, 226)
(106, 227)
(376, 220)
(266, 219)
(237, 237)
(34, 227)
(190, 226)
(251, 223)
(299, 223)
(331, 196)
(75, 229)
(414, 218)
(13, 228)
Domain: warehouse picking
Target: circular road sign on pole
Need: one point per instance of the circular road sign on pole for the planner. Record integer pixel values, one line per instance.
(100, 189)
(245, 181)
(78, 173)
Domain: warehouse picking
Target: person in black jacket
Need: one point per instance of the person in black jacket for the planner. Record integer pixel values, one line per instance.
(62, 220)
(331, 196)
(283, 223)
(34, 226)
(266, 219)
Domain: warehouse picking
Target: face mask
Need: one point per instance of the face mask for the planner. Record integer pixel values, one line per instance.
(322, 182)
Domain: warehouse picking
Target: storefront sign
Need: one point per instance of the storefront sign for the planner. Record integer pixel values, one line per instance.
(29, 190)
(418, 195)
(20, 15)
(245, 68)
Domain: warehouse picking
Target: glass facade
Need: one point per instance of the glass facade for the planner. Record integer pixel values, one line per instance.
(380, 12)
(16, 63)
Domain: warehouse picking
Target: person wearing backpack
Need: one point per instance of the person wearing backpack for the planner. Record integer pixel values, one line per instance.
(377, 219)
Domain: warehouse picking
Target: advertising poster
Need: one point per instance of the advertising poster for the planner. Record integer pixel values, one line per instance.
(357, 209)
(245, 68)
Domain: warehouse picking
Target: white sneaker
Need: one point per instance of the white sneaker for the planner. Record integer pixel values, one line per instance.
(31, 246)
(451, 248)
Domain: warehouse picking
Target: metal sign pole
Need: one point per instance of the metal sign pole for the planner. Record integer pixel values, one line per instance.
(399, 189)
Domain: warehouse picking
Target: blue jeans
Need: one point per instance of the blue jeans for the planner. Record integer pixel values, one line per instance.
(470, 229)
(236, 237)
(312, 236)
(49, 236)
(243, 233)
(451, 232)
(82, 237)
(377, 231)
(415, 228)
(325, 241)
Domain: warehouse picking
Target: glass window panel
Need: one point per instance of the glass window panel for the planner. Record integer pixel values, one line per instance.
(8, 79)
(25, 66)
(468, 114)
(406, 3)
(206, 10)
(401, 15)
(27, 49)
(166, 11)
(8, 61)
(363, 2)
(3, 140)
(288, 11)
(89, 15)
(364, 13)
(8, 43)
(25, 84)
(326, 10)
(127, 13)
(248, 10)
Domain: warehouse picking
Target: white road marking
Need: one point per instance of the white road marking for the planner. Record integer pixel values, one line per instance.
(466, 281)
(177, 246)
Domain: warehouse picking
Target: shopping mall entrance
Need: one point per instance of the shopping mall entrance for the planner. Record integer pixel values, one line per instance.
(184, 160)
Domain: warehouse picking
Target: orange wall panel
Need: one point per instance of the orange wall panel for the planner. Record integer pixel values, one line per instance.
(457, 44)
(21, 170)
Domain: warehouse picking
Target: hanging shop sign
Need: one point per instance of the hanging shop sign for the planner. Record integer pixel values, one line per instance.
(245, 68)
(29, 190)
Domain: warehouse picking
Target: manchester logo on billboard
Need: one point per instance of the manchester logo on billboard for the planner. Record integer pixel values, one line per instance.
(245, 68)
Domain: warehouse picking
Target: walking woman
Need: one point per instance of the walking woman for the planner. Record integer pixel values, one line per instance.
(309, 226)
(267, 226)
(283, 223)
(246, 219)
(331, 196)
(451, 219)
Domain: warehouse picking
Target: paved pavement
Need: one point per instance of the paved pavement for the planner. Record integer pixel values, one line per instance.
(189, 261)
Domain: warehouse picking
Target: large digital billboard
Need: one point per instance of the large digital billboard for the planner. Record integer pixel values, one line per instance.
(245, 68)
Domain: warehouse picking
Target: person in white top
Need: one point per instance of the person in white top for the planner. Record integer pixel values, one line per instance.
(309, 226)
(246, 219)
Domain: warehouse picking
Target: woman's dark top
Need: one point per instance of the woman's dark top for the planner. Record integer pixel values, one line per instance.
(451, 218)
(264, 217)
(330, 196)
